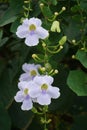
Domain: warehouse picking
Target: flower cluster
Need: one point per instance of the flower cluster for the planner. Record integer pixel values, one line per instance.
(34, 87)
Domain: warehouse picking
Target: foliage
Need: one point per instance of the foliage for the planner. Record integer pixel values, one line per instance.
(70, 110)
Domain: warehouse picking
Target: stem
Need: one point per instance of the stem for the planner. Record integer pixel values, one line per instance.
(45, 121)
(28, 9)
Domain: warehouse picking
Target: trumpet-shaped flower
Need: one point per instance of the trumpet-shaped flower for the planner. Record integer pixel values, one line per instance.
(24, 96)
(32, 31)
(31, 70)
(43, 90)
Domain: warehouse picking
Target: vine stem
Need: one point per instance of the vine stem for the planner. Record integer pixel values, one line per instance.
(45, 128)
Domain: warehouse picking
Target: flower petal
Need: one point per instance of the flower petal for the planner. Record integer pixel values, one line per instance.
(22, 31)
(26, 22)
(42, 33)
(31, 40)
(26, 67)
(21, 85)
(44, 99)
(27, 104)
(35, 92)
(19, 96)
(43, 79)
(37, 22)
(53, 92)
(25, 77)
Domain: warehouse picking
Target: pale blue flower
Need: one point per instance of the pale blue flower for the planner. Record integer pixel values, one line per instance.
(32, 31)
(31, 70)
(43, 90)
(24, 96)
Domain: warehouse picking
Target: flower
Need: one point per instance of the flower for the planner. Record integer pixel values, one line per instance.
(43, 90)
(31, 70)
(23, 95)
(32, 31)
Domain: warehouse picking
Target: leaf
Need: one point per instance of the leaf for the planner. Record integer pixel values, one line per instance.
(77, 81)
(14, 26)
(1, 34)
(7, 88)
(80, 122)
(66, 95)
(11, 14)
(54, 2)
(5, 122)
(46, 11)
(8, 17)
(3, 41)
(83, 5)
(20, 119)
(82, 57)
(75, 8)
(72, 31)
(2, 65)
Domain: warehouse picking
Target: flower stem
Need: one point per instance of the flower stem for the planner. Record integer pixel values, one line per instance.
(45, 121)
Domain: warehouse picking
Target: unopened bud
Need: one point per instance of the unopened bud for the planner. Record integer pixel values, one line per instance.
(41, 4)
(34, 55)
(44, 44)
(48, 66)
(73, 56)
(55, 27)
(56, 71)
(73, 41)
(56, 13)
(63, 8)
(61, 47)
(42, 69)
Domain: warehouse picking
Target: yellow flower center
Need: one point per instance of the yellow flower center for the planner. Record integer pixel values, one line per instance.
(26, 91)
(33, 73)
(32, 27)
(44, 87)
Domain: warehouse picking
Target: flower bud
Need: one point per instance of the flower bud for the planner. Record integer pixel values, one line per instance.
(63, 8)
(73, 41)
(62, 40)
(73, 56)
(56, 27)
(56, 71)
(41, 4)
(34, 55)
(48, 66)
(56, 13)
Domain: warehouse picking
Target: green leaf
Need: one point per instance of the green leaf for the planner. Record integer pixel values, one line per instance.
(11, 14)
(1, 34)
(5, 122)
(83, 5)
(77, 81)
(20, 119)
(14, 26)
(8, 17)
(81, 55)
(2, 65)
(75, 8)
(7, 89)
(80, 122)
(66, 95)
(3, 41)
(46, 11)
(72, 31)
(54, 2)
